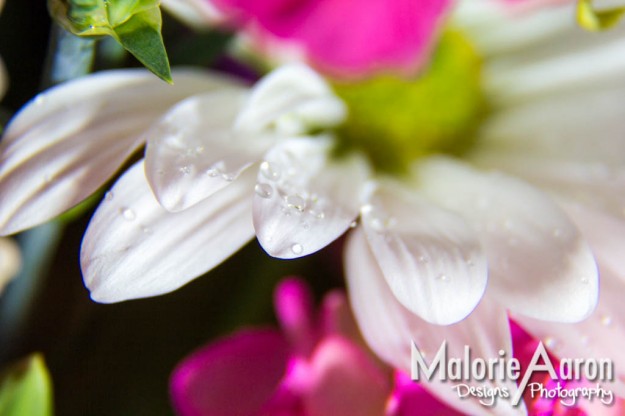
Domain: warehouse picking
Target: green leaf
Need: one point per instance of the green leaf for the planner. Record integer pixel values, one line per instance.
(135, 24)
(597, 20)
(26, 389)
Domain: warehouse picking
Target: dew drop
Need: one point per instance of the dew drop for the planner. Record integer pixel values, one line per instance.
(442, 278)
(296, 202)
(305, 225)
(185, 170)
(377, 224)
(128, 214)
(423, 259)
(297, 248)
(606, 320)
(146, 230)
(228, 177)
(269, 171)
(212, 172)
(585, 280)
(317, 214)
(108, 196)
(353, 224)
(263, 190)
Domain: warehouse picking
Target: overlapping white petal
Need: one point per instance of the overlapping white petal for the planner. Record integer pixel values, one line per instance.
(291, 100)
(539, 264)
(193, 151)
(134, 248)
(389, 328)
(602, 335)
(430, 258)
(303, 199)
(69, 140)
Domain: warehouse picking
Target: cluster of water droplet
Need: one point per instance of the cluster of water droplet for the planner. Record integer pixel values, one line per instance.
(295, 201)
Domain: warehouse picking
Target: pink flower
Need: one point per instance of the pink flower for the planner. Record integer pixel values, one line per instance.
(340, 37)
(316, 365)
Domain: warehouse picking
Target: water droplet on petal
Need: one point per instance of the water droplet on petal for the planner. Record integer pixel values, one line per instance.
(585, 280)
(297, 248)
(128, 214)
(269, 171)
(263, 190)
(296, 202)
(353, 224)
(305, 225)
(423, 259)
(212, 172)
(185, 170)
(146, 230)
(442, 278)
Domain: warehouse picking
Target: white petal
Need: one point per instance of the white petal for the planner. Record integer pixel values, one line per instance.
(69, 140)
(197, 13)
(431, 259)
(291, 100)
(573, 60)
(193, 152)
(539, 264)
(134, 248)
(304, 200)
(388, 328)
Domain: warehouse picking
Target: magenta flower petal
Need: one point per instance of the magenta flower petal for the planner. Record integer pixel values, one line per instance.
(344, 380)
(409, 398)
(233, 377)
(294, 306)
(345, 36)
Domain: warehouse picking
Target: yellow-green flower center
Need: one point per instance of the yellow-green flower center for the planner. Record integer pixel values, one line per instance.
(395, 121)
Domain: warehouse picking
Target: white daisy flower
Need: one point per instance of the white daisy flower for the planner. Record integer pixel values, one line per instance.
(484, 207)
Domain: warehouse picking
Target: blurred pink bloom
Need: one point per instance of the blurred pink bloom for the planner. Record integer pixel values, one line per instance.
(341, 37)
(316, 365)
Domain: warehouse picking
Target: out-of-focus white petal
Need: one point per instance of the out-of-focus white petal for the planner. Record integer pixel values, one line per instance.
(69, 140)
(197, 13)
(574, 59)
(10, 261)
(193, 151)
(134, 248)
(549, 143)
(291, 100)
(304, 200)
(431, 259)
(539, 264)
(388, 328)
(602, 335)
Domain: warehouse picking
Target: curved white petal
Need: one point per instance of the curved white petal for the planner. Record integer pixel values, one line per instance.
(69, 140)
(134, 248)
(539, 264)
(430, 258)
(602, 335)
(193, 151)
(304, 200)
(388, 328)
(291, 100)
